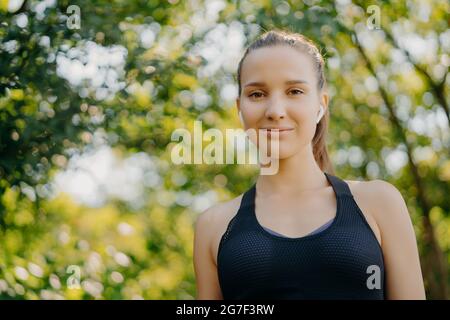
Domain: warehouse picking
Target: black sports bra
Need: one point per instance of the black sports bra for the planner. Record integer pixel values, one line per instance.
(343, 261)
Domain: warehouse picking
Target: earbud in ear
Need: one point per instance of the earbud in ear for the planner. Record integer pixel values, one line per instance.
(240, 118)
(321, 112)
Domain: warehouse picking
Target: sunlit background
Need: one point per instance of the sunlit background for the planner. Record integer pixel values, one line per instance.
(91, 205)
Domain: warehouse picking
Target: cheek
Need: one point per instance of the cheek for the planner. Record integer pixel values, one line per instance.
(305, 121)
(252, 114)
(303, 116)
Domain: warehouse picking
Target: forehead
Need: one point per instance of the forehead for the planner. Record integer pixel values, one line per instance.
(278, 63)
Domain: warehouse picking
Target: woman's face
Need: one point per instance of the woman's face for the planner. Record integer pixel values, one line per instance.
(279, 91)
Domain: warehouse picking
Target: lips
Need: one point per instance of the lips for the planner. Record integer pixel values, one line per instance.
(278, 129)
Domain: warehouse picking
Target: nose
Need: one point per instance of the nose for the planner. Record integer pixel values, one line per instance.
(275, 109)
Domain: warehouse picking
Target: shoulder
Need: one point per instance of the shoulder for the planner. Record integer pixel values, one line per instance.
(208, 226)
(212, 223)
(381, 194)
(218, 212)
(400, 253)
(381, 202)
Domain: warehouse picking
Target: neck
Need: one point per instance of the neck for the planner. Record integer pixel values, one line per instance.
(297, 174)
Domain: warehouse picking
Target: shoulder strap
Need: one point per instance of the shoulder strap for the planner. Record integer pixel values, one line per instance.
(247, 203)
(340, 186)
(248, 199)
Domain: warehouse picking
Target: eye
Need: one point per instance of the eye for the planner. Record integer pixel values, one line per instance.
(256, 94)
(296, 91)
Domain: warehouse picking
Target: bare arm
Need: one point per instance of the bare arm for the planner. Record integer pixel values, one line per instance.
(207, 282)
(402, 264)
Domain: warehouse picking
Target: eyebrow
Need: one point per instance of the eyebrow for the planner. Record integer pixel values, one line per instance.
(262, 84)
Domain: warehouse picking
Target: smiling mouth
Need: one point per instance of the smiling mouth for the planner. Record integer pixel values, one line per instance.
(278, 129)
(277, 132)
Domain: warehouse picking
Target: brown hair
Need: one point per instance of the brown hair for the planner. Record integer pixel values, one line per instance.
(298, 41)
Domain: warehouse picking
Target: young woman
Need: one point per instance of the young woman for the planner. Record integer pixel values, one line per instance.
(302, 233)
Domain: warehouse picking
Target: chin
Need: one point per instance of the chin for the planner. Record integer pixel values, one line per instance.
(286, 151)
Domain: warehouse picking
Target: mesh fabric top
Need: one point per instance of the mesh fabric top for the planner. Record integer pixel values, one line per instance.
(343, 261)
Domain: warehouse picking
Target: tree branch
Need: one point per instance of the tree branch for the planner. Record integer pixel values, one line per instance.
(438, 88)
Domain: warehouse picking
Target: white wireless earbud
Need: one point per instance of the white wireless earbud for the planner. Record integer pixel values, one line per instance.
(240, 118)
(321, 112)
